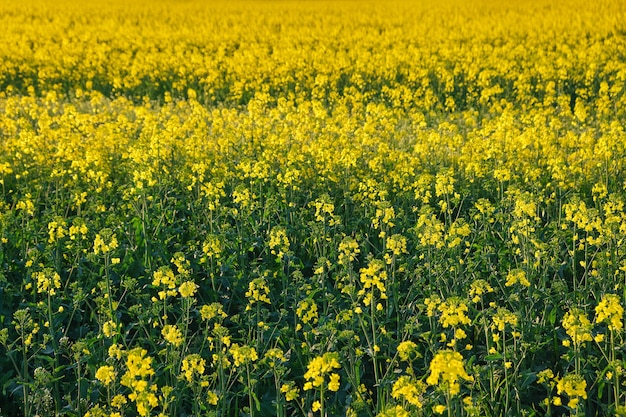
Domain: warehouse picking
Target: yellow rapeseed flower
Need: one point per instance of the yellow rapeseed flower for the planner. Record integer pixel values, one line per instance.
(447, 365)
(105, 374)
(610, 310)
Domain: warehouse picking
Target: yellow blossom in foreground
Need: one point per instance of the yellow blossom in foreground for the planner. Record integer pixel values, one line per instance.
(290, 390)
(210, 311)
(319, 367)
(515, 276)
(172, 334)
(478, 288)
(193, 365)
(407, 349)
(48, 281)
(409, 390)
(243, 354)
(574, 386)
(258, 292)
(104, 242)
(187, 289)
(453, 312)
(447, 365)
(105, 374)
(502, 317)
(610, 310)
(577, 326)
(439, 409)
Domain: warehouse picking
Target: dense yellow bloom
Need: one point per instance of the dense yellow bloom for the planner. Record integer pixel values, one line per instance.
(213, 246)
(319, 367)
(192, 365)
(577, 326)
(396, 244)
(439, 409)
(210, 311)
(374, 276)
(333, 384)
(115, 351)
(348, 250)
(274, 356)
(48, 281)
(502, 317)
(106, 374)
(258, 292)
(290, 390)
(187, 289)
(57, 229)
(545, 376)
(212, 398)
(109, 328)
(139, 366)
(172, 334)
(105, 242)
(278, 242)
(432, 303)
(453, 312)
(574, 386)
(430, 230)
(410, 390)
(136, 378)
(515, 276)
(611, 311)
(447, 366)
(118, 401)
(243, 354)
(165, 279)
(407, 350)
(478, 288)
(307, 311)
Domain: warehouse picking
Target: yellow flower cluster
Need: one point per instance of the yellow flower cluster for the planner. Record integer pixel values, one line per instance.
(278, 242)
(258, 292)
(610, 310)
(574, 386)
(137, 379)
(243, 354)
(105, 374)
(446, 369)
(320, 367)
(517, 276)
(187, 289)
(478, 288)
(373, 276)
(407, 350)
(453, 312)
(192, 365)
(307, 312)
(502, 317)
(48, 281)
(577, 326)
(348, 250)
(164, 277)
(172, 334)
(105, 242)
(407, 389)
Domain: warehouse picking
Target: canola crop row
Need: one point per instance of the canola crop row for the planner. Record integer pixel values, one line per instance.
(443, 56)
(312, 208)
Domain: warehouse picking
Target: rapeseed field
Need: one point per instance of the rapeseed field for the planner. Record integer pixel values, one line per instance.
(312, 208)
